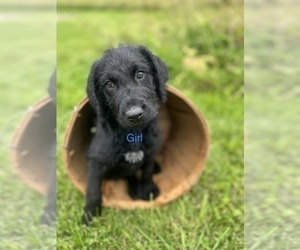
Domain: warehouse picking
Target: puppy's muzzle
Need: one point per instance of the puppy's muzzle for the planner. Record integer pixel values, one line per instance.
(134, 114)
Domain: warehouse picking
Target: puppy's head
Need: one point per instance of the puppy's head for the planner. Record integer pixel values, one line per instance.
(128, 84)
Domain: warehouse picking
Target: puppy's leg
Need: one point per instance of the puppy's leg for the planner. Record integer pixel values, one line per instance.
(93, 194)
(134, 187)
(145, 189)
(49, 213)
(157, 168)
(150, 190)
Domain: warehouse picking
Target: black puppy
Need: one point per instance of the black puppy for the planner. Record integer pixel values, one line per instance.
(125, 88)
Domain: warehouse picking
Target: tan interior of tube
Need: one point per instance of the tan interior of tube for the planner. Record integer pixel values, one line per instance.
(31, 145)
(182, 156)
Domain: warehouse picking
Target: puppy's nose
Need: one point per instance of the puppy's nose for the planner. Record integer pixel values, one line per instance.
(134, 114)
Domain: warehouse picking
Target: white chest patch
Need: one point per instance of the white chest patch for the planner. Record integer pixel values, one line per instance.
(134, 157)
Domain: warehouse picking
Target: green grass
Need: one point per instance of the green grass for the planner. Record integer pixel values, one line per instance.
(203, 48)
(27, 52)
(272, 127)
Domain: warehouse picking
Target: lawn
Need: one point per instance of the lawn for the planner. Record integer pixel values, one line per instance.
(203, 48)
(28, 57)
(272, 126)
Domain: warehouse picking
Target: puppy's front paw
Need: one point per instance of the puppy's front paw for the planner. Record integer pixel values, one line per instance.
(89, 213)
(150, 191)
(143, 191)
(49, 215)
(47, 219)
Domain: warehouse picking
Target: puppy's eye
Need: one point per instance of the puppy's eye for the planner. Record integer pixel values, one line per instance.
(140, 75)
(109, 85)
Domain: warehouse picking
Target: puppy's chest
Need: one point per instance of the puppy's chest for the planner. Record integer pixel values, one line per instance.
(127, 159)
(131, 152)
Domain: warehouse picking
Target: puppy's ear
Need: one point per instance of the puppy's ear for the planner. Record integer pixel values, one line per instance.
(91, 89)
(160, 72)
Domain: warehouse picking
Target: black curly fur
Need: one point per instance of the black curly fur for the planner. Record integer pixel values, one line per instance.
(113, 89)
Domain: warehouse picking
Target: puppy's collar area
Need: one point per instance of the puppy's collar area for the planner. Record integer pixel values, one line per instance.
(134, 157)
